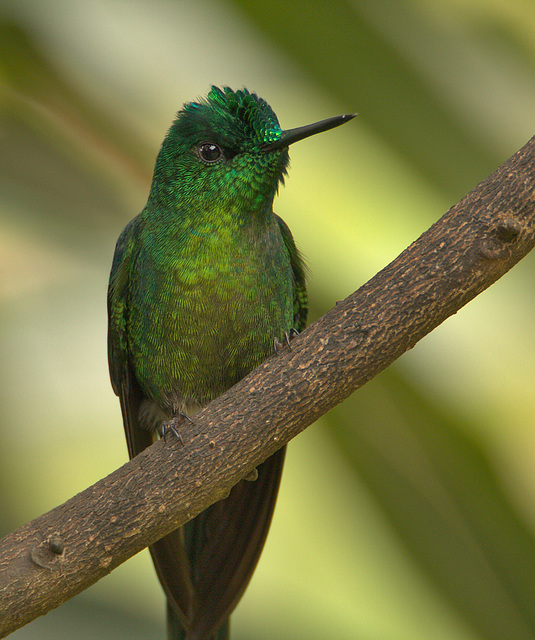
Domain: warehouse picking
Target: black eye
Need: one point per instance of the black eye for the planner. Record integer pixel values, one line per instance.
(209, 152)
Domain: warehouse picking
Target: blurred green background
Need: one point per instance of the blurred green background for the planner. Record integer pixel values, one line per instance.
(408, 513)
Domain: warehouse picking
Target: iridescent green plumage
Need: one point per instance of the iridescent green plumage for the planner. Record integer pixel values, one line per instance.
(203, 282)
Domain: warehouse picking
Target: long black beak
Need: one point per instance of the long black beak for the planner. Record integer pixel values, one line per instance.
(294, 135)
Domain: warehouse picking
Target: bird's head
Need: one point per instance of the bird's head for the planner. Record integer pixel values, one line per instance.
(228, 148)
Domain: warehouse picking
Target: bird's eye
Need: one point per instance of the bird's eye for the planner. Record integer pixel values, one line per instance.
(209, 152)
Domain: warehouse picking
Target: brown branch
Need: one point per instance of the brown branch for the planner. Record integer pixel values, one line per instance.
(59, 554)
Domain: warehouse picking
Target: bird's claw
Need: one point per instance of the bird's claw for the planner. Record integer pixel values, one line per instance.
(288, 335)
(173, 426)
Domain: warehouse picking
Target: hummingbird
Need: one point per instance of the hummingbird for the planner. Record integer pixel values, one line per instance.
(206, 283)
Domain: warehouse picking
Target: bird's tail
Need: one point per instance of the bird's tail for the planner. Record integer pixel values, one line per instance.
(175, 630)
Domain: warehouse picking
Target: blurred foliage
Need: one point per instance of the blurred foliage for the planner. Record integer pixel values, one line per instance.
(408, 513)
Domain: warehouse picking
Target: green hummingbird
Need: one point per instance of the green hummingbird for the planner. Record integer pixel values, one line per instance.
(206, 283)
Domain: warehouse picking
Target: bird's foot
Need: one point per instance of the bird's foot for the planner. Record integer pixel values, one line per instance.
(288, 335)
(173, 426)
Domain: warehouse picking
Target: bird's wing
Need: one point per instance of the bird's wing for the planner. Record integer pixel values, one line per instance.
(122, 378)
(222, 546)
(299, 273)
(168, 554)
(118, 293)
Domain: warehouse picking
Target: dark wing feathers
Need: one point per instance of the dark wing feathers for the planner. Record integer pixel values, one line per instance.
(225, 544)
(299, 273)
(118, 289)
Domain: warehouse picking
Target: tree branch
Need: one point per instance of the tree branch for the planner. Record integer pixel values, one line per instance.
(59, 554)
